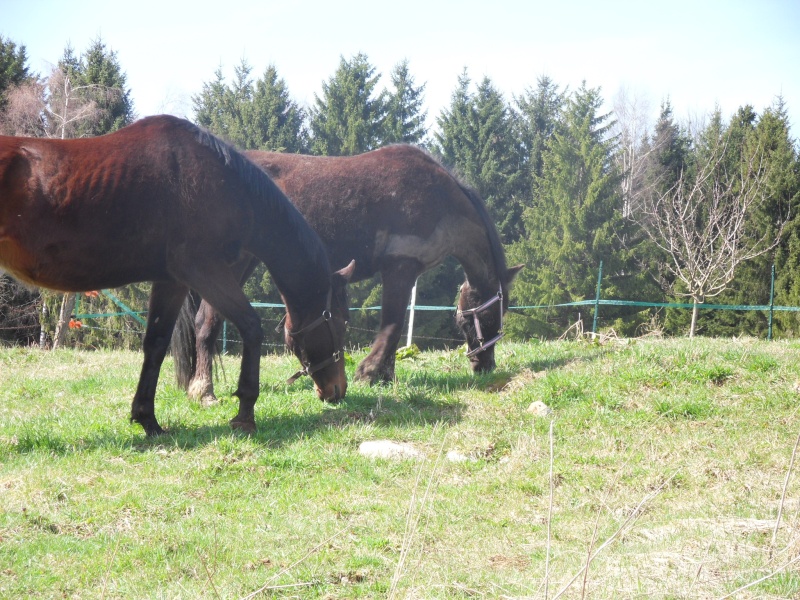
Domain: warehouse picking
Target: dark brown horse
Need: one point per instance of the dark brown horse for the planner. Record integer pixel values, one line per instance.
(398, 212)
(164, 201)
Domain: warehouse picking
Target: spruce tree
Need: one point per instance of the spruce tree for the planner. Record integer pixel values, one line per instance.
(405, 119)
(256, 115)
(477, 138)
(277, 122)
(575, 222)
(13, 67)
(540, 114)
(772, 133)
(210, 105)
(93, 79)
(349, 116)
(456, 139)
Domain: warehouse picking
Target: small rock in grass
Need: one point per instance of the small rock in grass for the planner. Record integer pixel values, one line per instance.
(539, 408)
(457, 457)
(388, 449)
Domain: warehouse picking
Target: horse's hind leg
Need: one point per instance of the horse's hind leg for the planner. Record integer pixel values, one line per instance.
(166, 299)
(398, 278)
(218, 284)
(208, 325)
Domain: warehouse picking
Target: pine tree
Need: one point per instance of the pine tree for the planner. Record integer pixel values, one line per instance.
(456, 140)
(405, 119)
(772, 132)
(349, 117)
(477, 138)
(666, 155)
(540, 114)
(209, 105)
(13, 67)
(575, 221)
(277, 121)
(96, 82)
(256, 115)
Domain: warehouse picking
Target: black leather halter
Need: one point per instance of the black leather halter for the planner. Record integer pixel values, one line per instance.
(325, 317)
(498, 297)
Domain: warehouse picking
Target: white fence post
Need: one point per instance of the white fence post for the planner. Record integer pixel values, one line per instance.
(411, 315)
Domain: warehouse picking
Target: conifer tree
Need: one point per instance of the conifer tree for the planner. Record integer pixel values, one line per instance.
(783, 181)
(349, 117)
(96, 81)
(575, 221)
(405, 119)
(13, 67)
(477, 139)
(540, 114)
(256, 115)
(210, 105)
(277, 121)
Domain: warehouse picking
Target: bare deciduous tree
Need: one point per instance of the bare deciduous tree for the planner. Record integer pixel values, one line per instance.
(23, 114)
(631, 128)
(704, 222)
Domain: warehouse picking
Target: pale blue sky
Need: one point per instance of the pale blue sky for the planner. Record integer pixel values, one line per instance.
(700, 53)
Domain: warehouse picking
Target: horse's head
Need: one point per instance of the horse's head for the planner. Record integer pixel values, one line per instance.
(480, 318)
(318, 340)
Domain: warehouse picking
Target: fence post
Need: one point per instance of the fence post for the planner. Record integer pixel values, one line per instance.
(411, 314)
(225, 336)
(597, 299)
(771, 302)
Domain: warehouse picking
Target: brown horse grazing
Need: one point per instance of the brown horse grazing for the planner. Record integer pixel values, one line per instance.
(398, 212)
(163, 201)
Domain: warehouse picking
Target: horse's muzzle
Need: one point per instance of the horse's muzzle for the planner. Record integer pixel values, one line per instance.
(331, 392)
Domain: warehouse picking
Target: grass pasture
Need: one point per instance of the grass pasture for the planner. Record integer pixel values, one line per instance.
(660, 472)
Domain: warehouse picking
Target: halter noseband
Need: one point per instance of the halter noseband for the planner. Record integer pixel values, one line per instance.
(325, 317)
(498, 297)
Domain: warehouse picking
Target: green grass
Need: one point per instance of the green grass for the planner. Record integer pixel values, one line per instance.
(675, 452)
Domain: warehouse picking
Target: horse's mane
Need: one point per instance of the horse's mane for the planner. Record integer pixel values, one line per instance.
(498, 253)
(495, 245)
(262, 186)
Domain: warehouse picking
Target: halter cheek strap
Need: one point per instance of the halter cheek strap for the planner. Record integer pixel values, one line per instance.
(484, 345)
(325, 317)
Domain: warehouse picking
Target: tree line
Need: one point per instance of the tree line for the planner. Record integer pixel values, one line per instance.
(675, 210)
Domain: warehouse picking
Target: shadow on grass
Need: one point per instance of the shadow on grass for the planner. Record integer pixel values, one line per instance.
(423, 395)
(378, 406)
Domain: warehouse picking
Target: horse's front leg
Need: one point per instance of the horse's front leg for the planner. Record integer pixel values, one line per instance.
(398, 278)
(166, 299)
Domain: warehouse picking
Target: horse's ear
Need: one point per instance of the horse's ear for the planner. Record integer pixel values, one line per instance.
(345, 274)
(512, 272)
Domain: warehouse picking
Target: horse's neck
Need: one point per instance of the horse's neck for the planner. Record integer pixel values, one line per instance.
(480, 271)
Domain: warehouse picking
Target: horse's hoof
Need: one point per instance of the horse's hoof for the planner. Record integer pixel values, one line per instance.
(200, 389)
(153, 431)
(243, 426)
(366, 374)
(373, 377)
(151, 426)
(208, 400)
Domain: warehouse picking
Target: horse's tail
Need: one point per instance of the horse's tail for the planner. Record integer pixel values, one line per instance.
(184, 342)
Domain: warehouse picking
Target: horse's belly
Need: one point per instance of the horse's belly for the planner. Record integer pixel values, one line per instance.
(16, 261)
